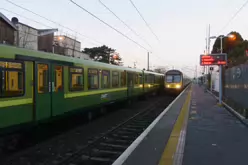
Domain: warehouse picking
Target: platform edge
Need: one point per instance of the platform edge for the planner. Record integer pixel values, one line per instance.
(123, 157)
(178, 159)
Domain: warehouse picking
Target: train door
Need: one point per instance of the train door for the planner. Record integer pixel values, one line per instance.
(130, 84)
(48, 89)
(57, 92)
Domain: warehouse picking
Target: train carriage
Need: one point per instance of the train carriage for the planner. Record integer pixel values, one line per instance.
(175, 81)
(37, 86)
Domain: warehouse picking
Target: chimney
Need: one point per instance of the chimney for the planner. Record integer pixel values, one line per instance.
(14, 20)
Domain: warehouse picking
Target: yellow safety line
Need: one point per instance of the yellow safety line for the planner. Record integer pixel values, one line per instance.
(170, 149)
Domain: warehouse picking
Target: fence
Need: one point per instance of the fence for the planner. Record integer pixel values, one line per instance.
(235, 89)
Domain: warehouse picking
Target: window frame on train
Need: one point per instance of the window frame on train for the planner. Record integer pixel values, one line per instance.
(4, 69)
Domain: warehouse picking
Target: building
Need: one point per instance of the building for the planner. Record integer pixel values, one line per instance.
(26, 36)
(46, 39)
(32, 38)
(19, 34)
(7, 31)
(69, 47)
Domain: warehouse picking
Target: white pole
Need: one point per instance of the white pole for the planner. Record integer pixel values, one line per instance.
(220, 73)
(210, 79)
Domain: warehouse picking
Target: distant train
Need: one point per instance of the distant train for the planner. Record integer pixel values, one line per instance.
(175, 81)
(38, 86)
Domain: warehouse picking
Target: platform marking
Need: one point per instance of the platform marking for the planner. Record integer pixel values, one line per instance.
(121, 159)
(193, 107)
(193, 112)
(176, 137)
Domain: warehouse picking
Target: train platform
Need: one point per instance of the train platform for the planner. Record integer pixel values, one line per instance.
(192, 130)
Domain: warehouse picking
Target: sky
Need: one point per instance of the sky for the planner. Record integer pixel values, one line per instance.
(179, 24)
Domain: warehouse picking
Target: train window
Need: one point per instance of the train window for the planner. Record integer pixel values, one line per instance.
(136, 79)
(12, 79)
(93, 79)
(140, 79)
(58, 83)
(105, 79)
(123, 79)
(169, 78)
(42, 70)
(150, 78)
(157, 79)
(115, 79)
(177, 78)
(173, 78)
(76, 79)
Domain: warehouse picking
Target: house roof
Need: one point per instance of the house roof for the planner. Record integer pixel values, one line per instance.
(7, 21)
(43, 32)
(68, 38)
(23, 24)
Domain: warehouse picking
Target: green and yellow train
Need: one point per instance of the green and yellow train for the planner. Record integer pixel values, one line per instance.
(38, 86)
(175, 81)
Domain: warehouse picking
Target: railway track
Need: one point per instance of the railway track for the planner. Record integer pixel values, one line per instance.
(107, 148)
(100, 142)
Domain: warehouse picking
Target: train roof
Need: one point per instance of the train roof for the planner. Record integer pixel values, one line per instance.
(9, 51)
(149, 72)
(173, 71)
(177, 71)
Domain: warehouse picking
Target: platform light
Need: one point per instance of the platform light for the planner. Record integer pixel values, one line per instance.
(231, 36)
(60, 38)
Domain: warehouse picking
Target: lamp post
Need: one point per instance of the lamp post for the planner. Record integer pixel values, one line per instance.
(231, 36)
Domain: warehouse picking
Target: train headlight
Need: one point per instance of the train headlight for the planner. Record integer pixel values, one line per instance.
(178, 86)
(168, 86)
(140, 86)
(149, 85)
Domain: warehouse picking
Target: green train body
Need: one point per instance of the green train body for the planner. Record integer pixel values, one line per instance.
(37, 86)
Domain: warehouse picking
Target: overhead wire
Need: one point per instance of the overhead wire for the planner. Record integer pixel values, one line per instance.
(26, 17)
(125, 23)
(54, 22)
(144, 19)
(234, 16)
(108, 25)
(72, 29)
(66, 34)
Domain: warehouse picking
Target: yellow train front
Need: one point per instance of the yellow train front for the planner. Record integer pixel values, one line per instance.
(173, 82)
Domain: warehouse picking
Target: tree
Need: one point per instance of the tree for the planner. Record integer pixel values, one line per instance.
(160, 70)
(237, 55)
(235, 48)
(228, 44)
(104, 54)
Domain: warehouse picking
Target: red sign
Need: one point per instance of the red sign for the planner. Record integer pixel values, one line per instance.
(219, 59)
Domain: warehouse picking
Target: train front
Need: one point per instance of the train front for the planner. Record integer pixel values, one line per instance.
(173, 81)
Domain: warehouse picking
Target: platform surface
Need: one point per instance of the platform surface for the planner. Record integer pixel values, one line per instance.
(214, 136)
(150, 149)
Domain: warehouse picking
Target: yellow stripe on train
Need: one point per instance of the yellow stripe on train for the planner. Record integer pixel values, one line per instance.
(173, 85)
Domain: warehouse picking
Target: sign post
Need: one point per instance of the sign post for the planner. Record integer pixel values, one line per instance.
(211, 84)
(215, 59)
